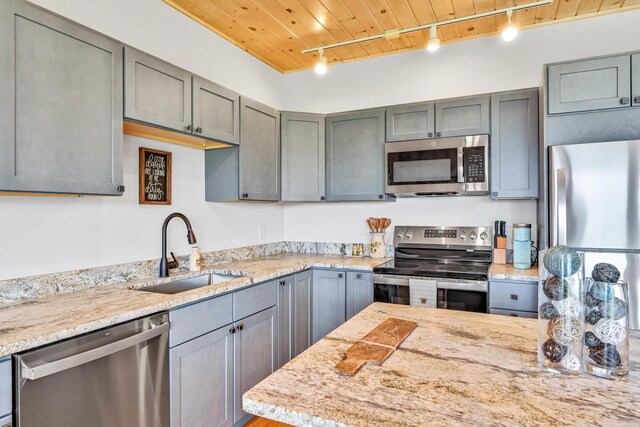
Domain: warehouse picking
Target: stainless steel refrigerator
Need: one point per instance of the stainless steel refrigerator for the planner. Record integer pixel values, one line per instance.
(594, 199)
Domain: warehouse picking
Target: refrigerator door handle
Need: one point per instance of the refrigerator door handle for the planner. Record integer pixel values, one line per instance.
(562, 181)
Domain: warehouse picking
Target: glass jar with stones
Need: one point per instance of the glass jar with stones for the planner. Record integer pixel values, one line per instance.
(606, 337)
(561, 311)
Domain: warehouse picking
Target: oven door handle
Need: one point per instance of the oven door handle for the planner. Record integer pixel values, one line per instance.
(60, 365)
(477, 287)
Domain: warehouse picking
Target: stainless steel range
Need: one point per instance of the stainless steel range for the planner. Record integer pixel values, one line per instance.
(443, 267)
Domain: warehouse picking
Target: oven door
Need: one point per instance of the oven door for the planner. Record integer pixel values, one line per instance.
(463, 295)
(432, 166)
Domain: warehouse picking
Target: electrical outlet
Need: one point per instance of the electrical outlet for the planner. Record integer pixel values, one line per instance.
(261, 232)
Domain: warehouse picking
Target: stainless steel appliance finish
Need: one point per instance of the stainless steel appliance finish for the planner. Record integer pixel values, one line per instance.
(456, 259)
(114, 377)
(447, 166)
(594, 194)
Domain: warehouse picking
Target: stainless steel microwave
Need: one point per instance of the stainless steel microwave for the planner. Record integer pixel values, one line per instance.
(430, 167)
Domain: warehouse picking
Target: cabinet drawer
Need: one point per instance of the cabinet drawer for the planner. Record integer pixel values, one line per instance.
(522, 296)
(514, 313)
(250, 301)
(5, 388)
(198, 319)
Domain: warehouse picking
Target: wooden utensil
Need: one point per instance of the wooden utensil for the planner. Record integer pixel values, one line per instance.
(372, 224)
(387, 223)
(377, 225)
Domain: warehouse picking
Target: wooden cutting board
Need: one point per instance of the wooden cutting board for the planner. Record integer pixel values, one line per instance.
(376, 346)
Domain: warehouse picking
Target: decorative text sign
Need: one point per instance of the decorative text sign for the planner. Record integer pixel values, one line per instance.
(155, 177)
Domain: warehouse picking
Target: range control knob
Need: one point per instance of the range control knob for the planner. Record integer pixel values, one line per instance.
(484, 235)
(473, 235)
(409, 234)
(400, 234)
(463, 235)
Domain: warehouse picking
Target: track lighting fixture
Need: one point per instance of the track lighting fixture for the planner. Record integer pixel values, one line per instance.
(510, 32)
(321, 65)
(434, 42)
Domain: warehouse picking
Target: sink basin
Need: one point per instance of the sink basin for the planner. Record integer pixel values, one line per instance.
(189, 284)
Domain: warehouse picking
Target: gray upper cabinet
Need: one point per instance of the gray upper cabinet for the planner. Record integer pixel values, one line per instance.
(463, 116)
(216, 111)
(359, 292)
(202, 381)
(60, 105)
(259, 151)
(303, 159)
(255, 353)
(355, 155)
(156, 92)
(407, 122)
(592, 84)
(514, 145)
(635, 79)
(328, 302)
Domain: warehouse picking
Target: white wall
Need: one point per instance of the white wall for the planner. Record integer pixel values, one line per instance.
(48, 234)
(479, 66)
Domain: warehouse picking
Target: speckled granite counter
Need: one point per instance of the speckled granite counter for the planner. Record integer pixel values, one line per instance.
(509, 272)
(456, 368)
(45, 320)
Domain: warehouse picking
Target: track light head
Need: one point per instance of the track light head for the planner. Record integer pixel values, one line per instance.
(321, 65)
(510, 32)
(434, 42)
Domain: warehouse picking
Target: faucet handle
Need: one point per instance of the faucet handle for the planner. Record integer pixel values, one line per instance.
(174, 263)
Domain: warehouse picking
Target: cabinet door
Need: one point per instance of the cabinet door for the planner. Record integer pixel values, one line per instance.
(594, 84)
(303, 164)
(255, 355)
(156, 92)
(60, 105)
(635, 79)
(216, 111)
(514, 145)
(355, 156)
(461, 117)
(407, 122)
(301, 312)
(5, 387)
(202, 381)
(259, 151)
(286, 323)
(359, 292)
(328, 302)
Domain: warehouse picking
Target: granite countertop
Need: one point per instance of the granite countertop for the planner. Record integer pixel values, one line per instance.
(509, 272)
(456, 368)
(40, 321)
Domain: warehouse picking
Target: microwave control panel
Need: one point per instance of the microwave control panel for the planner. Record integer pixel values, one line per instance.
(474, 164)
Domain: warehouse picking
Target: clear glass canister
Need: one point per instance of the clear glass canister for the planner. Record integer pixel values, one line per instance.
(561, 311)
(606, 337)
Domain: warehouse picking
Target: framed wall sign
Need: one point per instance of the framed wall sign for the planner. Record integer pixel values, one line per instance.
(155, 177)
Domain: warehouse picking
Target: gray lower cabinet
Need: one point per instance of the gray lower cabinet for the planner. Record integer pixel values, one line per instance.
(359, 292)
(216, 111)
(5, 390)
(513, 298)
(202, 381)
(412, 121)
(259, 151)
(255, 354)
(355, 155)
(303, 157)
(156, 92)
(60, 105)
(592, 84)
(463, 116)
(514, 145)
(635, 79)
(294, 315)
(328, 302)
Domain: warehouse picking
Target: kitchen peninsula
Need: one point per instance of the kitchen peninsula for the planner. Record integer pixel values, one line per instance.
(456, 368)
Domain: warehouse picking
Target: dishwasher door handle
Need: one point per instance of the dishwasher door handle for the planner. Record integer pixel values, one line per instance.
(51, 368)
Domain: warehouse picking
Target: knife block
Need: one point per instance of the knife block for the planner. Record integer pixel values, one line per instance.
(499, 256)
(501, 243)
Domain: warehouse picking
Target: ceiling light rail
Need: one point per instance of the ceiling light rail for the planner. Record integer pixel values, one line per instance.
(396, 33)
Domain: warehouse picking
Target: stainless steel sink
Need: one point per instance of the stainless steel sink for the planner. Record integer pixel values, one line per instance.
(188, 284)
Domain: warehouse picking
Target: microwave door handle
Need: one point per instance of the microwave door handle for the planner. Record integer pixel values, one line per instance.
(460, 164)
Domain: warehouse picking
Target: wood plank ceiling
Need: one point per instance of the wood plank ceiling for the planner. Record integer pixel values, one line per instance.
(276, 31)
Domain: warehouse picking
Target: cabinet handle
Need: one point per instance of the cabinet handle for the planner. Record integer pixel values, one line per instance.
(232, 330)
(381, 196)
(121, 188)
(198, 130)
(189, 128)
(322, 197)
(245, 195)
(340, 275)
(636, 99)
(240, 327)
(358, 276)
(430, 134)
(514, 297)
(438, 133)
(281, 282)
(513, 315)
(423, 300)
(624, 100)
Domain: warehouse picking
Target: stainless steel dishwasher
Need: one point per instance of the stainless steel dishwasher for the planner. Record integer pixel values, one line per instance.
(113, 377)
